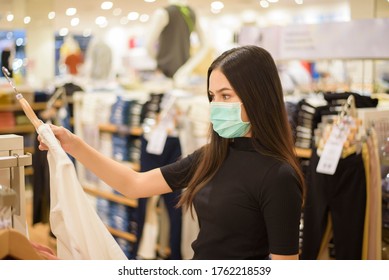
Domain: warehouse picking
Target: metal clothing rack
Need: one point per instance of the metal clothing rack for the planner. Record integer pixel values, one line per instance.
(12, 184)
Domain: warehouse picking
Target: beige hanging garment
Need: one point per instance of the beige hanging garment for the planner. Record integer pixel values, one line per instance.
(80, 233)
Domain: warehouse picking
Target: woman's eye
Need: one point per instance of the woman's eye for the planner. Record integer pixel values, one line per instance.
(211, 97)
(226, 97)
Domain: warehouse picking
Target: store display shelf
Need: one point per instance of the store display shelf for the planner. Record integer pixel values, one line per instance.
(16, 107)
(385, 161)
(112, 128)
(30, 150)
(122, 234)
(166, 251)
(19, 128)
(28, 171)
(111, 196)
(22, 128)
(303, 153)
(133, 165)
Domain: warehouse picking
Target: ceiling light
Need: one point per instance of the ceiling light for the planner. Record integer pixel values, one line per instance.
(87, 32)
(299, 2)
(10, 17)
(133, 15)
(264, 4)
(17, 63)
(144, 18)
(51, 15)
(124, 20)
(149, 1)
(105, 24)
(117, 12)
(27, 20)
(217, 5)
(101, 20)
(107, 5)
(214, 11)
(71, 11)
(74, 21)
(19, 42)
(249, 16)
(63, 32)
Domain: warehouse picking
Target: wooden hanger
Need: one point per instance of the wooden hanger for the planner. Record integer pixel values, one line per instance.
(15, 245)
(348, 113)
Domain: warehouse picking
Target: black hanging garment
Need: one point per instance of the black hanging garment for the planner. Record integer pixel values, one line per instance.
(361, 101)
(343, 196)
(41, 186)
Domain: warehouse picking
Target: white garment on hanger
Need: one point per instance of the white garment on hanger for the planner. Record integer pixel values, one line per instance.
(80, 233)
(149, 240)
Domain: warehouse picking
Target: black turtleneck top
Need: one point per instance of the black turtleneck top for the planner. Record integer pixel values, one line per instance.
(251, 207)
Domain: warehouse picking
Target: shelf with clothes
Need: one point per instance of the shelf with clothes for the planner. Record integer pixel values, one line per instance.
(119, 199)
(13, 119)
(110, 196)
(303, 153)
(126, 130)
(112, 128)
(123, 130)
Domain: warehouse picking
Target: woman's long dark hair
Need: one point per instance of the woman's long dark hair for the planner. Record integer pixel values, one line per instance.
(253, 75)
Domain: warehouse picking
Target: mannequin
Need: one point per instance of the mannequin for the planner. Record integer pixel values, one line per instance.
(71, 55)
(170, 29)
(98, 59)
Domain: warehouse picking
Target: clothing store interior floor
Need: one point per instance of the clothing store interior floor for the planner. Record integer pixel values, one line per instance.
(40, 232)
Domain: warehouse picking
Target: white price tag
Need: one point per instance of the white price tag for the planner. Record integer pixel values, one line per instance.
(158, 135)
(332, 151)
(157, 140)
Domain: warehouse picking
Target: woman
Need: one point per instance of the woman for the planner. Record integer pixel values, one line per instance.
(245, 185)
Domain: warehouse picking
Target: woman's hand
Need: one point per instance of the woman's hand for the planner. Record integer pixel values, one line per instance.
(44, 251)
(66, 138)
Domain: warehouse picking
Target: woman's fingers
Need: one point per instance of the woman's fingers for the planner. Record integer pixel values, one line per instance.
(44, 251)
(42, 146)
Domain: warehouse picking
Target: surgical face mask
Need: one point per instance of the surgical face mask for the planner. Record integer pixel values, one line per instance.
(227, 121)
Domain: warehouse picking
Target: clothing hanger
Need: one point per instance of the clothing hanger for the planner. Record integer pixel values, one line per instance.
(15, 245)
(348, 109)
(347, 122)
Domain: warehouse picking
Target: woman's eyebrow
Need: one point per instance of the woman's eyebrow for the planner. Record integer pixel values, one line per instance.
(221, 90)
